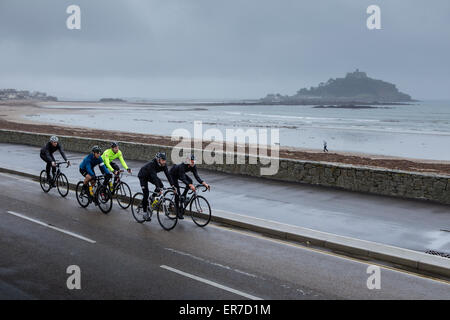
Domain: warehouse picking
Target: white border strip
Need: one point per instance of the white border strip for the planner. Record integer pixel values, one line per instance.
(211, 283)
(51, 227)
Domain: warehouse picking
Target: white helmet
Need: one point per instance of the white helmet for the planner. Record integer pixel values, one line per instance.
(54, 139)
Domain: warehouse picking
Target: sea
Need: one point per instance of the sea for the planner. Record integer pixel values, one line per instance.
(419, 130)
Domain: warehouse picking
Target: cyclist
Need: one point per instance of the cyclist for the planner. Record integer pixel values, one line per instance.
(87, 169)
(178, 172)
(46, 154)
(149, 173)
(111, 154)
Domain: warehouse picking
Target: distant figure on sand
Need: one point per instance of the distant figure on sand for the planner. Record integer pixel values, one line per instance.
(325, 149)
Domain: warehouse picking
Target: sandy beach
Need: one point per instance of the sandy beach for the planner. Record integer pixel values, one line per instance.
(18, 115)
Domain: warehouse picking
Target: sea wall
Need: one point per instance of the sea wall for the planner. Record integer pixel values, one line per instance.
(395, 183)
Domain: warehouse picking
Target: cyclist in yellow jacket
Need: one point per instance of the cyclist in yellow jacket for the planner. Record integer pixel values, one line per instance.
(111, 154)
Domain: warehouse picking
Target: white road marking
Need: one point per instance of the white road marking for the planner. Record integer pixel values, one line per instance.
(211, 283)
(51, 227)
(212, 263)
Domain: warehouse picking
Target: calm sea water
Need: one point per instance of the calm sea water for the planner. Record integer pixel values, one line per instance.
(421, 130)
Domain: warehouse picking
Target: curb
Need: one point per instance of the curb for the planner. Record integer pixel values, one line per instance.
(404, 258)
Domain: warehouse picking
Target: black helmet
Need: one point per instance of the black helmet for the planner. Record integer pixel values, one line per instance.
(192, 157)
(114, 144)
(161, 155)
(96, 149)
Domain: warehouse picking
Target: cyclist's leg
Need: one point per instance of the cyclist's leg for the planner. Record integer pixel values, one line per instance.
(115, 166)
(186, 190)
(53, 168)
(87, 178)
(48, 165)
(177, 194)
(108, 177)
(154, 179)
(144, 186)
(106, 174)
(178, 205)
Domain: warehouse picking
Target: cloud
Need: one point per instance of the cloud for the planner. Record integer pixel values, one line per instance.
(247, 48)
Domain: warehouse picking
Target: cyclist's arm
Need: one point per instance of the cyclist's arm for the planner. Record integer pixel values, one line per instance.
(197, 177)
(122, 161)
(89, 169)
(168, 176)
(61, 150)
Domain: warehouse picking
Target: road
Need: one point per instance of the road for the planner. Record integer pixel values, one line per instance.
(42, 234)
(410, 224)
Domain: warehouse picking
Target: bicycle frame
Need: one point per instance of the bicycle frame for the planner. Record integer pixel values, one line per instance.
(191, 194)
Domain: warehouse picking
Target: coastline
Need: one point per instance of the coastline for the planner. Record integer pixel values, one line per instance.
(12, 118)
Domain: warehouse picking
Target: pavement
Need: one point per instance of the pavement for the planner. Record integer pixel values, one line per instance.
(408, 224)
(43, 234)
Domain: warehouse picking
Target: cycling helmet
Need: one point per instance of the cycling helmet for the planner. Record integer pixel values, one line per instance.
(192, 157)
(54, 139)
(161, 155)
(114, 144)
(96, 149)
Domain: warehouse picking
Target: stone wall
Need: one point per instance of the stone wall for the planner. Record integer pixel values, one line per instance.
(363, 179)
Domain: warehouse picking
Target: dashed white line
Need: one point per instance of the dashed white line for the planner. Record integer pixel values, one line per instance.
(51, 227)
(211, 283)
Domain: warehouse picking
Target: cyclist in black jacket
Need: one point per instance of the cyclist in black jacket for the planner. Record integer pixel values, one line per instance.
(178, 172)
(47, 152)
(149, 173)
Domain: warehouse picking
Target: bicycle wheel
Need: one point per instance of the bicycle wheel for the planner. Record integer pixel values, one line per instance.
(123, 195)
(200, 211)
(167, 214)
(82, 195)
(136, 207)
(104, 199)
(43, 180)
(63, 185)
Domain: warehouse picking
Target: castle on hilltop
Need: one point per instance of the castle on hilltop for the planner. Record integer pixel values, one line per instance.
(356, 87)
(357, 74)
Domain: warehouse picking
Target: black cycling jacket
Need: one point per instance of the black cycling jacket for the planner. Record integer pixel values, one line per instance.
(150, 170)
(178, 172)
(48, 150)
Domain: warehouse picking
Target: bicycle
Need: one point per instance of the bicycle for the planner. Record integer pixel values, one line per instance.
(102, 195)
(164, 207)
(59, 181)
(121, 191)
(199, 208)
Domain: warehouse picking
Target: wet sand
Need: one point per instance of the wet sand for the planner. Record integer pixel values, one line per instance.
(12, 117)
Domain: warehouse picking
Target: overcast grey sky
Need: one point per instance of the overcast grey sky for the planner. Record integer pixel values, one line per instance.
(220, 49)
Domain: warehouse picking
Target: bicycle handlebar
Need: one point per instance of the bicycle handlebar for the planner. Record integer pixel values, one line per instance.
(60, 163)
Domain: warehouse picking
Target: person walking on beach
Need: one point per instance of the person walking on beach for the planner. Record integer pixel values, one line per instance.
(325, 149)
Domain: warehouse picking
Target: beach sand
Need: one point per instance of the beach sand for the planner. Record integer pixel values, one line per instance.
(12, 117)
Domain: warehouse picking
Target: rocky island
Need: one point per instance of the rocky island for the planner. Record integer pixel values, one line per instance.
(112, 100)
(355, 88)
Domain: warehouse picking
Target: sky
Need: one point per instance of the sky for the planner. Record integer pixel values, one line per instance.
(211, 49)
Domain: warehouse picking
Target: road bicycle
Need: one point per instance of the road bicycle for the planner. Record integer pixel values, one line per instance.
(102, 195)
(58, 181)
(160, 203)
(197, 205)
